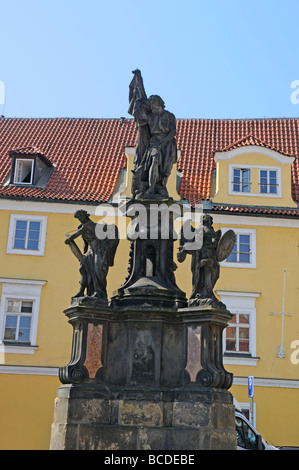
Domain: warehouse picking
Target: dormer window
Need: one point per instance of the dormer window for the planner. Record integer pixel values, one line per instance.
(255, 180)
(23, 171)
(250, 172)
(29, 167)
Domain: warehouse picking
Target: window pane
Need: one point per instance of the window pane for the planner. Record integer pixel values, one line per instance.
(33, 235)
(243, 318)
(32, 245)
(237, 175)
(19, 244)
(10, 327)
(10, 334)
(273, 189)
(230, 345)
(231, 338)
(11, 321)
(233, 256)
(244, 258)
(246, 181)
(21, 225)
(244, 239)
(20, 234)
(230, 332)
(23, 173)
(273, 182)
(24, 330)
(26, 307)
(244, 333)
(34, 226)
(244, 345)
(13, 306)
(263, 181)
(273, 175)
(236, 180)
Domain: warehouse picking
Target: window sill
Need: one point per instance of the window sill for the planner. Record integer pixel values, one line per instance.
(17, 348)
(16, 251)
(228, 264)
(240, 359)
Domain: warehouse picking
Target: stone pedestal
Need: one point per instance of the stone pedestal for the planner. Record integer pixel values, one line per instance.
(149, 378)
(95, 418)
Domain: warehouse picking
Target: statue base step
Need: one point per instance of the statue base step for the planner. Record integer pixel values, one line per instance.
(88, 417)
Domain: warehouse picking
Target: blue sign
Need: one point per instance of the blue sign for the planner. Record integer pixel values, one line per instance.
(250, 386)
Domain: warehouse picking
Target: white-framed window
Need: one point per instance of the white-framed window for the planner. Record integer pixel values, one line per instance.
(23, 173)
(268, 181)
(19, 312)
(242, 178)
(18, 318)
(239, 338)
(241, 181)
(238, 333)
(27, 234)
(243, 254)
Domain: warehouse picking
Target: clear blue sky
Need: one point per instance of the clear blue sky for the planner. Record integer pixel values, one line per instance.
(206, 59)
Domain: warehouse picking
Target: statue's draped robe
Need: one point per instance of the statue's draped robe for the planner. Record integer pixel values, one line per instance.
(151, 130)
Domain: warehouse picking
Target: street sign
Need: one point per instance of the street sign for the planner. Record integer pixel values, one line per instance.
(250, 386)
(250, 394)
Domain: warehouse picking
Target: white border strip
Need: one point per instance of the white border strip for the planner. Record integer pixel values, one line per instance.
(249, 220)
(267, 382)
(45, 207)
(29, 370)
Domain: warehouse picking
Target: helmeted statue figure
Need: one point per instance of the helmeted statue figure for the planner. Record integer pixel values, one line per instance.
(156, 150)
(98, 256)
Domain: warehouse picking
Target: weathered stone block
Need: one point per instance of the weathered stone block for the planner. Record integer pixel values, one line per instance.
(190, 414)
(106, 437)
(135, 412)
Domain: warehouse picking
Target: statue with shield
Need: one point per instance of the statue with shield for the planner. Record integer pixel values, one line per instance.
(206, 258)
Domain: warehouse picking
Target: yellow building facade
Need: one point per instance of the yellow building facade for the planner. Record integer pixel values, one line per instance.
(259, 278)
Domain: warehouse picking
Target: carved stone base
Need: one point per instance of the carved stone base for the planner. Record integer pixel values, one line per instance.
(147, 378)
(90, 418)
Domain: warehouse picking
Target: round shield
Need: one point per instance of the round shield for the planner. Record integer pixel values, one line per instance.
(225, 245)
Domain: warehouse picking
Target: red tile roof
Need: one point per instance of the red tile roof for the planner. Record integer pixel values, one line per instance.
(88, 154)
(255, 210)
(247, 140)
(199, 139)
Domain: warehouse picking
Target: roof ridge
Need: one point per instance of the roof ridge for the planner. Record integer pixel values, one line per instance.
(250, 138)
(27, 150)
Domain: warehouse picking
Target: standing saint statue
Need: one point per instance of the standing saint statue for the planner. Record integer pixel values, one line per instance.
(156, 150)
(98, 255)
(205, 264)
